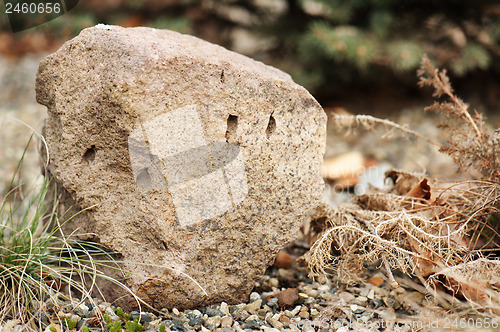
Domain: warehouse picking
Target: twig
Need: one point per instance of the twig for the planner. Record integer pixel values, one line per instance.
(394, 284)
(365, 119)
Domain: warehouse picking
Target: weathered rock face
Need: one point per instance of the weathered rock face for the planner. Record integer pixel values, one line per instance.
(192, 159)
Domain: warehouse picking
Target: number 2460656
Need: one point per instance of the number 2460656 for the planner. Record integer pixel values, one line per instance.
(32, 8)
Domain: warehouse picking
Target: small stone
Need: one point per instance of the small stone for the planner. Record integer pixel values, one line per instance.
(303, 295)
(145, 318)
(285, 321)
(283, 260)
(237, 327)
(196, 312)
(226, 321)
(362, 299)
(251, 324)
(348, 297)
(371, 294)
(155, 322)
(168, 323)
(195, 320)
(42, 316)
(364, 291)
(288, 297)
(224, 308)
(343, 329)
(270, 329)
(296, 310)
(240, 315)
(312, 293)
(79, 326)
(179, 327)
(327, 296)
(314, 312)
(254, 306)
(387, 315)
(81, 310)
(304, 315)
(213, 312)
(359, 310)
(286, 274)
(274, 282)
(378, 303)
(274, 321)
(273, 302)
(308, 328)
(204, 329)
(261, 313)
(254, 296)
(294, 328)
(375, 281)
(400, 290)
(252, 317)
(416, 297)
(214, 321)
(175, 311)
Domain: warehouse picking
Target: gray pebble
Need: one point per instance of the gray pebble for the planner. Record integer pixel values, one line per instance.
(179, 327)
(273, 303)
(213, 312)
(195, 320)
(253, 324)
(240, 315)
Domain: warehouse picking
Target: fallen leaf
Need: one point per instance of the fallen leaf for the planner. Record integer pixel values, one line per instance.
(427, 264)
(421, 190)
(403, 181)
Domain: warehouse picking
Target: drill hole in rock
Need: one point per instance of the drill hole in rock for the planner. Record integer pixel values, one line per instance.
(89, 155)
(232, 126)
(271, 126)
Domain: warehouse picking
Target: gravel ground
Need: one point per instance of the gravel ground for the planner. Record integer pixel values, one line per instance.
(285, 299)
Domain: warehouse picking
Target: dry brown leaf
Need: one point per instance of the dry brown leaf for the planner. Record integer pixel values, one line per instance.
(403, 181)
(428, 264)
(477, 281)
(421, 190)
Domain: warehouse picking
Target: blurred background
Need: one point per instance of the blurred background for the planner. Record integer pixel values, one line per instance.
(355, 57)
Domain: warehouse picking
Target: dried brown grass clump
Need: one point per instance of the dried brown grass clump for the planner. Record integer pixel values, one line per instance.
(470, 144)
(447, 234)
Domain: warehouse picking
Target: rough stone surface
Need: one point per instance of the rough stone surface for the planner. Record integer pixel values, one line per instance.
(197, 161)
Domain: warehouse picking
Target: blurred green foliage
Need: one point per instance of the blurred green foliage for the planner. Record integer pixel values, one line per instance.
(323, 44)
(339, 42)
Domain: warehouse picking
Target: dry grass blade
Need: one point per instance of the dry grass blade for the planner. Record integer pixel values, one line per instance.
(446, 234)
(368, 122)
(470, 144)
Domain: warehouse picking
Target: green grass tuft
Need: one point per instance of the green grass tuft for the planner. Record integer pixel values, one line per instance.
(38, 263)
